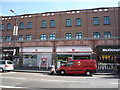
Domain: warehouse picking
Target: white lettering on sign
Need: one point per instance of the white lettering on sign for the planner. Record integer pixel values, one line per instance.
(15, 30)
(110, 50)
(8, 50)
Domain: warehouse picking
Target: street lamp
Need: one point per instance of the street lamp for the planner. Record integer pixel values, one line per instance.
(15, 32)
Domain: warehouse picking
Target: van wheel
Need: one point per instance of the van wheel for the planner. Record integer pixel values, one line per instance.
(62, 72)
(88, 73)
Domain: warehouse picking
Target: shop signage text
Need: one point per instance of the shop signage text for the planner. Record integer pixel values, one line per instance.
(110, 50)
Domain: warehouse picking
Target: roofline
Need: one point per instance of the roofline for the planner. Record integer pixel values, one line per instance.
(63, 11)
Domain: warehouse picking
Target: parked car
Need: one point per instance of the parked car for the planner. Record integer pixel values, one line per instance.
(6, 65)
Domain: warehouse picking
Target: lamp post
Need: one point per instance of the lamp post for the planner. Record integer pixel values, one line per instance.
(15, 32)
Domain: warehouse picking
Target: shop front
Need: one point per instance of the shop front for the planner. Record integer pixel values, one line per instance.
(42, 57)
(108, 57)
(10, 53)
(39, 57)
(74, 52)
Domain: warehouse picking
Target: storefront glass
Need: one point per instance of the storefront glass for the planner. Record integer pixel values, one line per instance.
(30, 60)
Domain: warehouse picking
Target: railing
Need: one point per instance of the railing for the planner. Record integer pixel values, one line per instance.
(106, 66)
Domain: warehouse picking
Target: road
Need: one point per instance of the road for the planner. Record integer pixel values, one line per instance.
(35, 81)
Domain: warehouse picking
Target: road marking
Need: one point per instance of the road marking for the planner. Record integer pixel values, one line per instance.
(73, 77)
(115, 83)
(8, 72)
(1, 86)
(59, 76)
(13, 78)
(64, 81)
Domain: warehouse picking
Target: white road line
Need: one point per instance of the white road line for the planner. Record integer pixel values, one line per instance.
(72, 77)
(13, 78)
(115, 83)
(8, 73)
(64, 81)
(41, 75)
(1, 86)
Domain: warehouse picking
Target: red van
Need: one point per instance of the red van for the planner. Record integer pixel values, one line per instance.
(87, 67)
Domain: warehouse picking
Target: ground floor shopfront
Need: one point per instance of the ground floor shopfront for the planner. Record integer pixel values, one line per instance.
(108, 57)
(42, 57)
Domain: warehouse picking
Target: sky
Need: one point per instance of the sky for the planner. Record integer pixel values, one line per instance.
(21, 7)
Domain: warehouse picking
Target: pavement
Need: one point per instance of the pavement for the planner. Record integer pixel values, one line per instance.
(36, 70)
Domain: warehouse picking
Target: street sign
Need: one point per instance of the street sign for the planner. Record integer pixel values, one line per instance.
(15, 30)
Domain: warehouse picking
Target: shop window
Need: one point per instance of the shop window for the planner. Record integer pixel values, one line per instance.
(30, 56)
(106, 59)
(78, 57)
(63, 57)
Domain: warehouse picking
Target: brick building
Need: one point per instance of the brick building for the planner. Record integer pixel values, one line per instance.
(46, 38)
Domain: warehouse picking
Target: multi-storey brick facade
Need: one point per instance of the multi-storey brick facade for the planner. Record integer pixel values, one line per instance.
(72, 30)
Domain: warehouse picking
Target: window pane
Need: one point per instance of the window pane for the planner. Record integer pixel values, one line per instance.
(43, 37)
(1, 38)
(95, 21)
(7, 38)
(78, 22)
(106, 20)
(107, 34)
(78, 35)
(52, 23)
(21, 25)
(43, 24)
(2, 27)
(68, 22)
(29, 25)
(68, 35)
(20, 37)
(51, 36)
(96, 34)
(8, 26)
(28, 37)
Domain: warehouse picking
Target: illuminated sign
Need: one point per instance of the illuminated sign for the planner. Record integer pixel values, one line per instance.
(110, 50)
